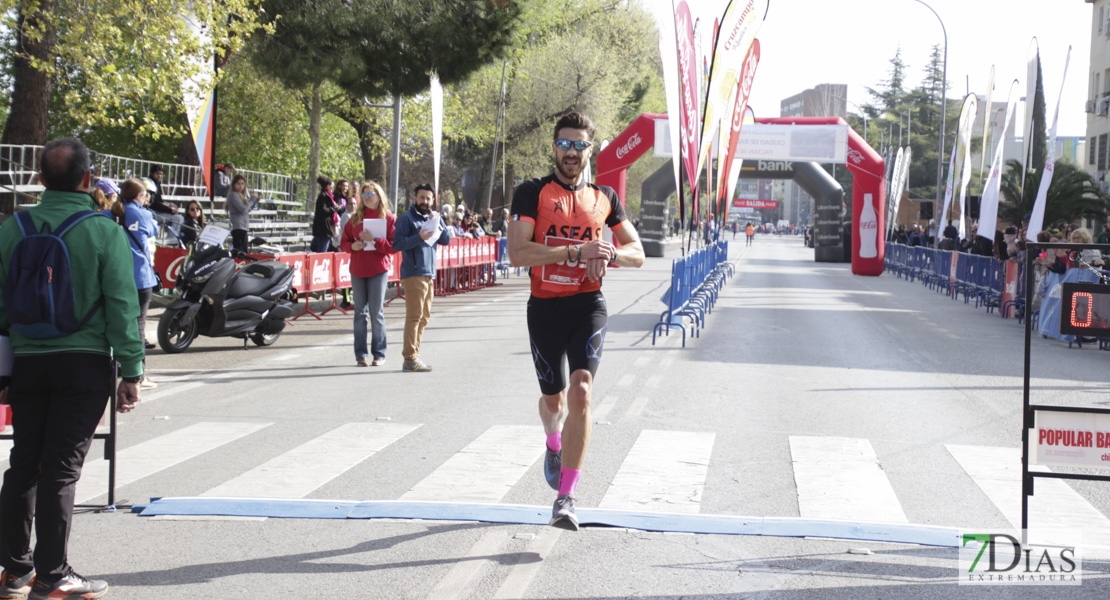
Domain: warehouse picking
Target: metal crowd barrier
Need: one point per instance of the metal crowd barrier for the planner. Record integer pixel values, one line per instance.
(696, 280)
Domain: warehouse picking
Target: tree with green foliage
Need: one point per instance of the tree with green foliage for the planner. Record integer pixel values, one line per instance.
(373, 48)
(126, 62)
(1073, 195)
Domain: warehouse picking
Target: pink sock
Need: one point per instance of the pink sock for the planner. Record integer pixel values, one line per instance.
(555, 441)
(568, 479)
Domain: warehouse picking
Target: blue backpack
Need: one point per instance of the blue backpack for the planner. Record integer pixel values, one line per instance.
(38, 293)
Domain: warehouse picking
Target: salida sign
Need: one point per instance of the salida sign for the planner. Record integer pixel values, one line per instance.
(754, 203)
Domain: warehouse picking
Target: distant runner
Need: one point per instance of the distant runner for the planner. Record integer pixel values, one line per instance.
(750, 232)
(556, 229)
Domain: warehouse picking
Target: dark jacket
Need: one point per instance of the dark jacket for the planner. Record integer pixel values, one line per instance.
(323, 223)
(417, 257)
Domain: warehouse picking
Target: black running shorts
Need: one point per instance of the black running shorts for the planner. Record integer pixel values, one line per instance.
(568, 329)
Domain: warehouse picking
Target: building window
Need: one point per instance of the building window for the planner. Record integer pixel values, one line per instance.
(1102, 140)
(1093, 152)
(1101, 15)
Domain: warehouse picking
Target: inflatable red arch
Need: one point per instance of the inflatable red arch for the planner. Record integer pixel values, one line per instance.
(867, 167)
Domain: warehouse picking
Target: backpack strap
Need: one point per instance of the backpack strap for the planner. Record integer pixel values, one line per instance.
(74, 219)
(26, 223)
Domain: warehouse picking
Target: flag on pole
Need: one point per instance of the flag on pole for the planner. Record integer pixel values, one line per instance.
(890, 207)
(668, 54)
(988, 208)
(902, 179)
(437, 127)
(688, 82)
(735, 116)
(739, 25)
(965, 171)
(956, 163)
(987, 108)
(747, 116)
(1036, 220)
(198, 97)
(1030, 94)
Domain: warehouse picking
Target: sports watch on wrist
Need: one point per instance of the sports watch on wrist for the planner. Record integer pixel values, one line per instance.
(136, 379)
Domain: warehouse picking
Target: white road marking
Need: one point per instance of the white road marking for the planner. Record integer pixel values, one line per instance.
(626, 380)
(1055, 509)
(602, 411)
(521, 575)
(305, 468)
(654, 380)
(486, 469)
(636, 408)
(664, 471)
(149, 457)
(840, 478)
(287, 356)
(461, 580)
(641, 361)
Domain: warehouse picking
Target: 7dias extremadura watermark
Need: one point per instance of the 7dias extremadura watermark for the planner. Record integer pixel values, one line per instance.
(1002, 559)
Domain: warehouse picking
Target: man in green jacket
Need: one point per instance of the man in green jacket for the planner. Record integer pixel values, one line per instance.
(58, 387)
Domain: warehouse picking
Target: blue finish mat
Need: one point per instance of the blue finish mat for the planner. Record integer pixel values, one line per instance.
(926, 535)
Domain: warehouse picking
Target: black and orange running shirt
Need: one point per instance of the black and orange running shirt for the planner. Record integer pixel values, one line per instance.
(564, 215)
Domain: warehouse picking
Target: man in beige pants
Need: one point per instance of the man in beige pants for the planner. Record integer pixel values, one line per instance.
(418, 270)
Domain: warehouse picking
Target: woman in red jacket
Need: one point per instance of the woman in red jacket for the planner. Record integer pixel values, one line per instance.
(371, 261)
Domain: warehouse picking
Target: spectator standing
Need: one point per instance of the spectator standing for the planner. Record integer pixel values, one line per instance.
(341, 196)
(105, 192)
(474, 227)
(486, 221)
(222, 184)
(166, 212)
(1089, 256)
(1103, 236)
(54, 417)
(418, 264)
(501, 225)
(239, 204)
(324, 221)
(371, 263)
(139, 225)
(194, 222)
(566, 311)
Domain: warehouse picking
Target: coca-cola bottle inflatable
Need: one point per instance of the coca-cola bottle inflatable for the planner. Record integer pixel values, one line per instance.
(868, 229)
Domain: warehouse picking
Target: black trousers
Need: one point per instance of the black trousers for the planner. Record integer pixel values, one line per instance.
(56, 401)
(239, 239)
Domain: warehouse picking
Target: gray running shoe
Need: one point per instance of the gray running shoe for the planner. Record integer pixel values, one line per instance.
(552, 467)
(70, 586)
(416, 366)
(15, 587)
(562, 514)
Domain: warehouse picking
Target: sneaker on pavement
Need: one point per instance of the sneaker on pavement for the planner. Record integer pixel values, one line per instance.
(552, 467)
(416, 366)
(562, 514)
(377, 362)
(361, 363)
(71, 587)
(15, 587)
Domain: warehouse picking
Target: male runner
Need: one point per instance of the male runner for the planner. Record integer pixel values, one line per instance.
(556, 229)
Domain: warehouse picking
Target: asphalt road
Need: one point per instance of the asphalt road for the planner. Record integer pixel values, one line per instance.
(811, 393)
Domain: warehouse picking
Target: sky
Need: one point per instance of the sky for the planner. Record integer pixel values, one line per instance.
(808, 42)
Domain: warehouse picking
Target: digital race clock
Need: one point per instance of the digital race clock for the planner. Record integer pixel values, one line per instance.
(1085, 309)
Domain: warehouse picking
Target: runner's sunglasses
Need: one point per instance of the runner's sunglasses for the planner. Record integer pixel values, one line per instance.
(579, 145)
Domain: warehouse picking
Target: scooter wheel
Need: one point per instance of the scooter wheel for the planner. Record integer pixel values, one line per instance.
(172, 337)
(264, 339)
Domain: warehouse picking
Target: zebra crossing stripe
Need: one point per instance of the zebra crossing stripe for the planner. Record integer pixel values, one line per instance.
(486, 469)
(1055, 509)
(664, 471)
(149, 457)
(305, 468)
(840, 478)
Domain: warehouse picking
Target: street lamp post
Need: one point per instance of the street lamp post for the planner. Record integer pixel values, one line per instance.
(863, 114)
(943, 102)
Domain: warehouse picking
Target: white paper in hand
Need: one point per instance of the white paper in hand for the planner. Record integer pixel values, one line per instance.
(213, 235)
(376, 227)
(432, 224)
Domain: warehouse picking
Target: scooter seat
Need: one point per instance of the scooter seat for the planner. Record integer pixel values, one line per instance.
(255, 279)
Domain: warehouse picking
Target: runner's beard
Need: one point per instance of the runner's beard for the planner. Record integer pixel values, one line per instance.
(571, 172)
(423, 208)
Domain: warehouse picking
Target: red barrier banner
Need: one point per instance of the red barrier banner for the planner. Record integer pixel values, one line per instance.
(1009, 289)
(5, 416)
(395, 271)
(342, 270)
(319, 271)
(167, 262)
(952, 271)
(297, 261)
(441, 258)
